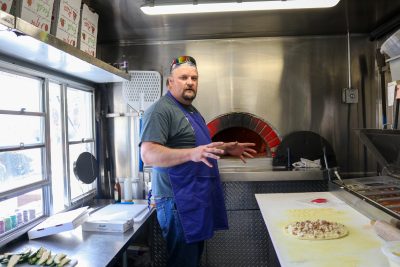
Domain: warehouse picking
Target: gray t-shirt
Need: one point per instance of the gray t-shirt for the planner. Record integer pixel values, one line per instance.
(164, 123)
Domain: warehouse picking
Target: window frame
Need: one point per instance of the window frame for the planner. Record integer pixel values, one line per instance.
(30, 71)
(67, 189)
(45, 182)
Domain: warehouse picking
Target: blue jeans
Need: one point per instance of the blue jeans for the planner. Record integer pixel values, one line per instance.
(179, 252)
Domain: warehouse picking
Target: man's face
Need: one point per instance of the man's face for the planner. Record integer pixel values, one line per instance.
(183, 83)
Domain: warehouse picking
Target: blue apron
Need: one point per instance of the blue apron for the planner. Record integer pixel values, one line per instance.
(197, 188)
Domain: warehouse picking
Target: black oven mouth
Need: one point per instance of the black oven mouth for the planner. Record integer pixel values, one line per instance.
(245, 127)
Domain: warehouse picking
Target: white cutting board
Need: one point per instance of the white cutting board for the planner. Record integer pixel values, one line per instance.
(362, 247)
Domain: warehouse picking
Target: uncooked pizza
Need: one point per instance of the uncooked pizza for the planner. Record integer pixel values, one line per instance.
(316, 230)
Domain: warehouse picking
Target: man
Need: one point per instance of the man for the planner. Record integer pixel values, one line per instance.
(185, 179)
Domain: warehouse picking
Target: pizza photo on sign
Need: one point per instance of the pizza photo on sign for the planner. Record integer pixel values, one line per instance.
(316, 230)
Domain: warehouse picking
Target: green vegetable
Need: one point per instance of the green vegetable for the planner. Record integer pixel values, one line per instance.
(8, 255)
(40, 256)
(63, 262)
(45, 256)
(34, 253)
(59, 257)
(40, 252)
(32, 260)
(13, 260)
(5, 258)
(50, 260)
(25, 255)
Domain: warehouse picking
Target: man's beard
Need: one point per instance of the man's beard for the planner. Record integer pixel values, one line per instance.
(189, 97)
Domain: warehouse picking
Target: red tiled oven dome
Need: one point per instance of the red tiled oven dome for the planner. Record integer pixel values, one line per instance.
(245, 127)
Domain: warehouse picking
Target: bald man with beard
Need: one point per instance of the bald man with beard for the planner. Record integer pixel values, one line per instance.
(185, 179)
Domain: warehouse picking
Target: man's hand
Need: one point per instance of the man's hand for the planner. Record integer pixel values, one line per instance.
(201, 153)
(240, 150)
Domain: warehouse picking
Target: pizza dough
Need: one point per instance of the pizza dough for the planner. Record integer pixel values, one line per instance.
(316, 230)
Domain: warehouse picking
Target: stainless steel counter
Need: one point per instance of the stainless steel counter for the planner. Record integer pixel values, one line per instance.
(88, 248)
(261, 169)
(361, 203)
(251, 175)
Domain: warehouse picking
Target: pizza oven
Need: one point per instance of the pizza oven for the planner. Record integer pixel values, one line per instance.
(245, 127)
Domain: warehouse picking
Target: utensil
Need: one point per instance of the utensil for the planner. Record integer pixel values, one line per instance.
(86, 168)
(338, 176)
(141, 92)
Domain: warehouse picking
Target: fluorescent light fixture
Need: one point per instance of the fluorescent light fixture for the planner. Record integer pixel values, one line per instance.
(235, 6)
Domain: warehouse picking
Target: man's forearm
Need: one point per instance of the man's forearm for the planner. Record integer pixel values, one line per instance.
(161, 156)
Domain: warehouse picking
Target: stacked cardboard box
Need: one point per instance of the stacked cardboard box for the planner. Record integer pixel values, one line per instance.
(88, 31)
(62, 18)
(5, 5)
(65, 25)
(36, 12)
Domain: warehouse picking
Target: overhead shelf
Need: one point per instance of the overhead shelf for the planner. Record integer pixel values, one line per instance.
(22, 40)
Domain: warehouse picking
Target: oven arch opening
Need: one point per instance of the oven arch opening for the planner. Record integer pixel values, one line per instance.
(245, 127)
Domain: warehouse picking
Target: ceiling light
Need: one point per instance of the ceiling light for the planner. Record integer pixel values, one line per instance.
(151, 9)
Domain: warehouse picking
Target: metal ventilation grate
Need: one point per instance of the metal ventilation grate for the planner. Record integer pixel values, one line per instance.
(142, 90)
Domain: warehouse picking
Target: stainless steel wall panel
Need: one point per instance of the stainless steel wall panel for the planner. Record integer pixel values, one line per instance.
(293, 83)
(119, 136)
(123, 150)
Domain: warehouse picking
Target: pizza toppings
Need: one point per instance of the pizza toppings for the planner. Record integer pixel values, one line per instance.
(316, 230)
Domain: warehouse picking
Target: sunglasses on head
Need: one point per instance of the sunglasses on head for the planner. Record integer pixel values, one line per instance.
(181, 60)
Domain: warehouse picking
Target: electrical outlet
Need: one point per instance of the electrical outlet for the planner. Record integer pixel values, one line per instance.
(350, 95)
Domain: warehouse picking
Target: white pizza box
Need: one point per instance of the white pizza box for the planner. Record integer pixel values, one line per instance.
(59, 222)
(115, 226)
(65, 20)
(5, 19)
(114, 218)
(143, 215)
(88, 28)
(36, 12)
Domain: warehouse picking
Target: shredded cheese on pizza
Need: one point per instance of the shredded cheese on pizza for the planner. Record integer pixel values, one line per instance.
(316, 230)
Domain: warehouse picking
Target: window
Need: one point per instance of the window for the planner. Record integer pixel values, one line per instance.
(20, 168)
(46, 123)
(78, 107)
(80, 121)
(80, 135)
(57, 155)
(26, 207)
(22, 149)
